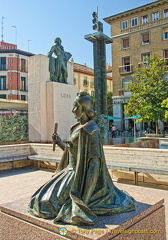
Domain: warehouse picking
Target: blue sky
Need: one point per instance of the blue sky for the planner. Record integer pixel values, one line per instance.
(39, 22)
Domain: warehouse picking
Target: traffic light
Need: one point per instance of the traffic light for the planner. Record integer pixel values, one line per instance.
(95, 20)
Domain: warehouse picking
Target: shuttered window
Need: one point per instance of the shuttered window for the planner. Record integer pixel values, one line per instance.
(165, 33)
(166, 53)
(145, 19)
(165, 13)
(126, 61)
(145, 38)
(125, 42)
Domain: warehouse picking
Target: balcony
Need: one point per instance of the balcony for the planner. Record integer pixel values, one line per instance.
(126, 69)
(143, 64)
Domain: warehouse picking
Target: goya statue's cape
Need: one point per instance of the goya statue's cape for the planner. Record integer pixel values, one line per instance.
(106, 199)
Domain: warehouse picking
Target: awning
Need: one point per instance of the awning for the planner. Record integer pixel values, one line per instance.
(134, 117)
(13, 104)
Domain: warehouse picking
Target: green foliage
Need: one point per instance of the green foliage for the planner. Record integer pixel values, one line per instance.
(109, 104)
(13, 128)
(148, 91)
(165, 106)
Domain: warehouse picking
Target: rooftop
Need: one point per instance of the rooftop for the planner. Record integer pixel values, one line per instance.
(134, 10)
(79, 68)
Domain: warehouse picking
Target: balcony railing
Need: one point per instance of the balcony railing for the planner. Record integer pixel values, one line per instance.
(143, 64)
(126, 69)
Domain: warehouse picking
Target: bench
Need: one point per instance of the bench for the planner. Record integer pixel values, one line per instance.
(12, 159)
(37, 158)
(138, 169)
(42, 158)
(113, 166)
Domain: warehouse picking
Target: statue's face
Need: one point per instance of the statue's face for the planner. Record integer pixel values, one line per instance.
(77, 110)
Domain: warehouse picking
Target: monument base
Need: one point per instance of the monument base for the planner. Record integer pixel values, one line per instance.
(49, 102)
(146, 222)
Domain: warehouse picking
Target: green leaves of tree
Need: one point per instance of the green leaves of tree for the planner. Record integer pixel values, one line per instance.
(148, 91)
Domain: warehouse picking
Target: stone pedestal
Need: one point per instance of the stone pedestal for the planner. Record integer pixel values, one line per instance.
(49, 102)
(147, 222)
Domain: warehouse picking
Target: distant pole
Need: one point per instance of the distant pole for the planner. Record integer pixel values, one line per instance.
(15, 34)
(2, 29)
(29, 45)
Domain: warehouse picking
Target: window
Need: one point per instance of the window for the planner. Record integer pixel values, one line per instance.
(85, 81)
(134, 22)
(3, 96)
(125, 83)
(166, 77)
(145, 19)
(125, 42)
(23, 84)
(3, 63)
(155, 16)
(165, 53)
(23, 65)
(145, 57)
(126, 64)
(125, 24)
(165, 13)
(3, 83)
(23, 97)
(165, 33)
(145, 38)
(92, 93)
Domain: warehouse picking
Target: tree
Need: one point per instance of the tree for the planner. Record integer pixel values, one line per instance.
(165, 106)
(148, 91)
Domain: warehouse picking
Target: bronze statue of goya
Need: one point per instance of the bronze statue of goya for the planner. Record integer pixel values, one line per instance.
(58, 64)
(81, 188)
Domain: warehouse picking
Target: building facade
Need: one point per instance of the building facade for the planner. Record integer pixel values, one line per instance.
(13, 72)
(84, 78)
(137, 34)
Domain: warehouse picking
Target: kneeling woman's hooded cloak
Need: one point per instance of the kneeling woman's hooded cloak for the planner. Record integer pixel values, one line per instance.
(70, 196)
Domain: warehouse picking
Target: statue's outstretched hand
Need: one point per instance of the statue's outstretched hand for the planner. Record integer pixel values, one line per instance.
(56, 138)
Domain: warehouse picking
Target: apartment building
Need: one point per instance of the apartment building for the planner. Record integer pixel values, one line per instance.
(84, 78)
(137, 34)
(13, 72)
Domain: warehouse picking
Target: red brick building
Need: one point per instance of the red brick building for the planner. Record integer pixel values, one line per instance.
(13, 72)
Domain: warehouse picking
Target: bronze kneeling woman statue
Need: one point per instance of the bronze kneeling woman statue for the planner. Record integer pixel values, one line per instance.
(81, 188)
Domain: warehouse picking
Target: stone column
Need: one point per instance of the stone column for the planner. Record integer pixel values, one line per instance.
(99, 41)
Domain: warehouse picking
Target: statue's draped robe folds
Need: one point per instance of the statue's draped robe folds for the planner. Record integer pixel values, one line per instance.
(64, 197)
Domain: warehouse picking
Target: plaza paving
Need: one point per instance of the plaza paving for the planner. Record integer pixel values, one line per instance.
(23, 183)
